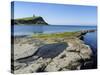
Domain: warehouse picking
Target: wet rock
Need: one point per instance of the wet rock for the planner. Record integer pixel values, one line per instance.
(51, 50)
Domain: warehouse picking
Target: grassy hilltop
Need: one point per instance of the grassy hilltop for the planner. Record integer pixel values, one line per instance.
(29, 20)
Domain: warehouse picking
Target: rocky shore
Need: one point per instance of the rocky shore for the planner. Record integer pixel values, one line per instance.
(50, 54)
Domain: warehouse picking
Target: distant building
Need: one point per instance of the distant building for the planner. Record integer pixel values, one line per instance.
(33, 15)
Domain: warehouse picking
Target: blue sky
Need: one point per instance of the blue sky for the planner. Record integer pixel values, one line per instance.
(57, 14)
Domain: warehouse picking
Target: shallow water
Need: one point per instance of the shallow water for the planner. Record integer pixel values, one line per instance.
(30, 30)
(91, 39)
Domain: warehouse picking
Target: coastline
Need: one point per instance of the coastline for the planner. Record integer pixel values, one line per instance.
(75, 53)
(35, 20)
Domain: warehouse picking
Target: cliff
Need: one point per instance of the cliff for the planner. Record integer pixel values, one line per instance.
(29, 20)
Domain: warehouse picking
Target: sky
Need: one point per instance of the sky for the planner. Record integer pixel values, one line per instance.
(57, 14)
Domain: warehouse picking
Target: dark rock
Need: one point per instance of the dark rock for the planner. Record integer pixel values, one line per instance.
(51, 50)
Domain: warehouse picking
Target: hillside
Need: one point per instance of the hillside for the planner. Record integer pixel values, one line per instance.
(29, 20)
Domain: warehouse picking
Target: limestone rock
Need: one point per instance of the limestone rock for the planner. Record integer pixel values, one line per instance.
(71, 57)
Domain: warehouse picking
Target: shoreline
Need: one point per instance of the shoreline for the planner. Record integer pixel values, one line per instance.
(76, 49)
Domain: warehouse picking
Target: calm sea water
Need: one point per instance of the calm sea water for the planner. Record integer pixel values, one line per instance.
(89, 38)
(29, 29)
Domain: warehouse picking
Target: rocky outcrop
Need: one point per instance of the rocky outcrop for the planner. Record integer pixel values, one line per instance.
(50, 54)
(38, 20)
(83, 32)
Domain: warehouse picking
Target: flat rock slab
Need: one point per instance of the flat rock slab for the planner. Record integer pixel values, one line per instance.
(46, 51)
(24, 51)
(67, 54)
(51, 50)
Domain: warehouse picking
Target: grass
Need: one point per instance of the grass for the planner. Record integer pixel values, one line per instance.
(27, 18)
(57, 35)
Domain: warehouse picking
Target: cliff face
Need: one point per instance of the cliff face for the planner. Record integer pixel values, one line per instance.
(38, 20)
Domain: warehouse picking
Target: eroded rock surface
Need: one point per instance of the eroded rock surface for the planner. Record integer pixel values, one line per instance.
(52, 54)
